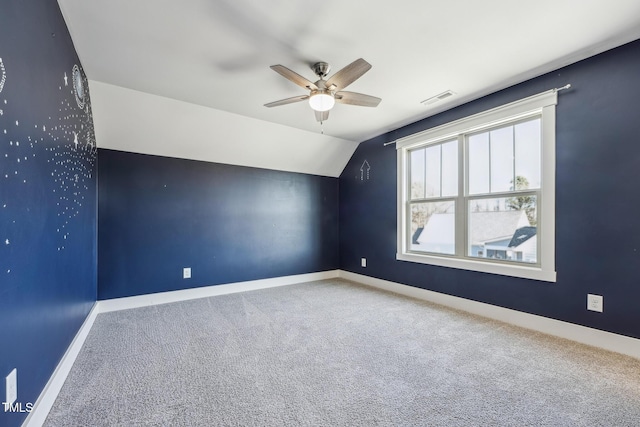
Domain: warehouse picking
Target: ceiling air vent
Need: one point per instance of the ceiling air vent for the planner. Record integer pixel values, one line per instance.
(439, 97)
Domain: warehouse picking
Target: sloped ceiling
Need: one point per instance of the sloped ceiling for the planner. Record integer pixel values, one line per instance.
(212, 57)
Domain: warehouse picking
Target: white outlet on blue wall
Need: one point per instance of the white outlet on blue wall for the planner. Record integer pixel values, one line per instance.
(363, 262)
(594, 302)
(186, 273)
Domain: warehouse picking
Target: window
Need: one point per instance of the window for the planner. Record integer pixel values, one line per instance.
(479, 193)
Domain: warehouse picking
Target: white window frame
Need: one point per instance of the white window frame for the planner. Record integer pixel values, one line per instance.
(541, 105)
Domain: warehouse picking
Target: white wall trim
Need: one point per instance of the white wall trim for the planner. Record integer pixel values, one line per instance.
(210, 291)
(582, 334)
(50, 392)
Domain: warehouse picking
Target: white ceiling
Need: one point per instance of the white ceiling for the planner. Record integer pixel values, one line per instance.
(217, 53)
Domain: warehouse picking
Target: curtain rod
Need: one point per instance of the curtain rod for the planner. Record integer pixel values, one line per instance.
(558, 89)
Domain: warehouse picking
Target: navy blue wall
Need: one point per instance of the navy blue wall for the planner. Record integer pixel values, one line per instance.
(228, 223)
(597, 202)
(47, 196)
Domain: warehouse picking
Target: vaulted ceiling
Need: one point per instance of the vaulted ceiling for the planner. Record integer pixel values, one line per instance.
(190, 78)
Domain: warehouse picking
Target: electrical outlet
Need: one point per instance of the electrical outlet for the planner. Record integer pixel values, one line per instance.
(12, 387)
(594, 302)
(186, 273)
(363, 262)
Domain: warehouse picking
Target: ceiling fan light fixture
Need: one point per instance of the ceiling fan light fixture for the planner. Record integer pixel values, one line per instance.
(324, 94)
(321, 101)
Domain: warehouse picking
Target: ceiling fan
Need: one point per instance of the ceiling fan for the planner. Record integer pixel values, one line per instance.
(325, 93)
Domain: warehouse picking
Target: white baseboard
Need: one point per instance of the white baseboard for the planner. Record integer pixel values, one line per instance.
(594, 337)
(116, 304)
(582, 334)
(50, 392)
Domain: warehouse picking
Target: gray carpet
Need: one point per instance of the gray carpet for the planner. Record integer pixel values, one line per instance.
(332, 353)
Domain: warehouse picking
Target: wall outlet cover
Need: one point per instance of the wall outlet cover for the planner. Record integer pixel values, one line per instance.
(363, 262)
(12, 387)
(186, 273)
(594, 302)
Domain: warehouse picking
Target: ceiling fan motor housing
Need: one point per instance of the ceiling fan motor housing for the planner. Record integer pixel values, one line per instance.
(321, 69)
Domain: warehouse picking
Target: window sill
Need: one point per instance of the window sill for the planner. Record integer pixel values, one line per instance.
(534, 273)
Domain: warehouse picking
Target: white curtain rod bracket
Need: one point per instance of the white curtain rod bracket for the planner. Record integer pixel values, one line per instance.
(567, 86)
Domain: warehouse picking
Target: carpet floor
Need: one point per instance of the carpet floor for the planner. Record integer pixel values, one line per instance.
(334, 353)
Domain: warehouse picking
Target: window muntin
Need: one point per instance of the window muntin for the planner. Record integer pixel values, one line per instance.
(502, 158)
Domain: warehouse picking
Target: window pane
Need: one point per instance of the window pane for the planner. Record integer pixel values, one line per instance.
(432, 161)
(505, 159)
(504, 228)
(434, 171)
(417, 173)
(433, 227)
(527, 154)
(501, 141)
(450, 169)
(478, 163)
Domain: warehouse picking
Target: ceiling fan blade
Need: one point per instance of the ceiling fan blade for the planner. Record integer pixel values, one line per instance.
(349, 74)
(294, 77)
(287, 101)
(353, 98)
(322, 116)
